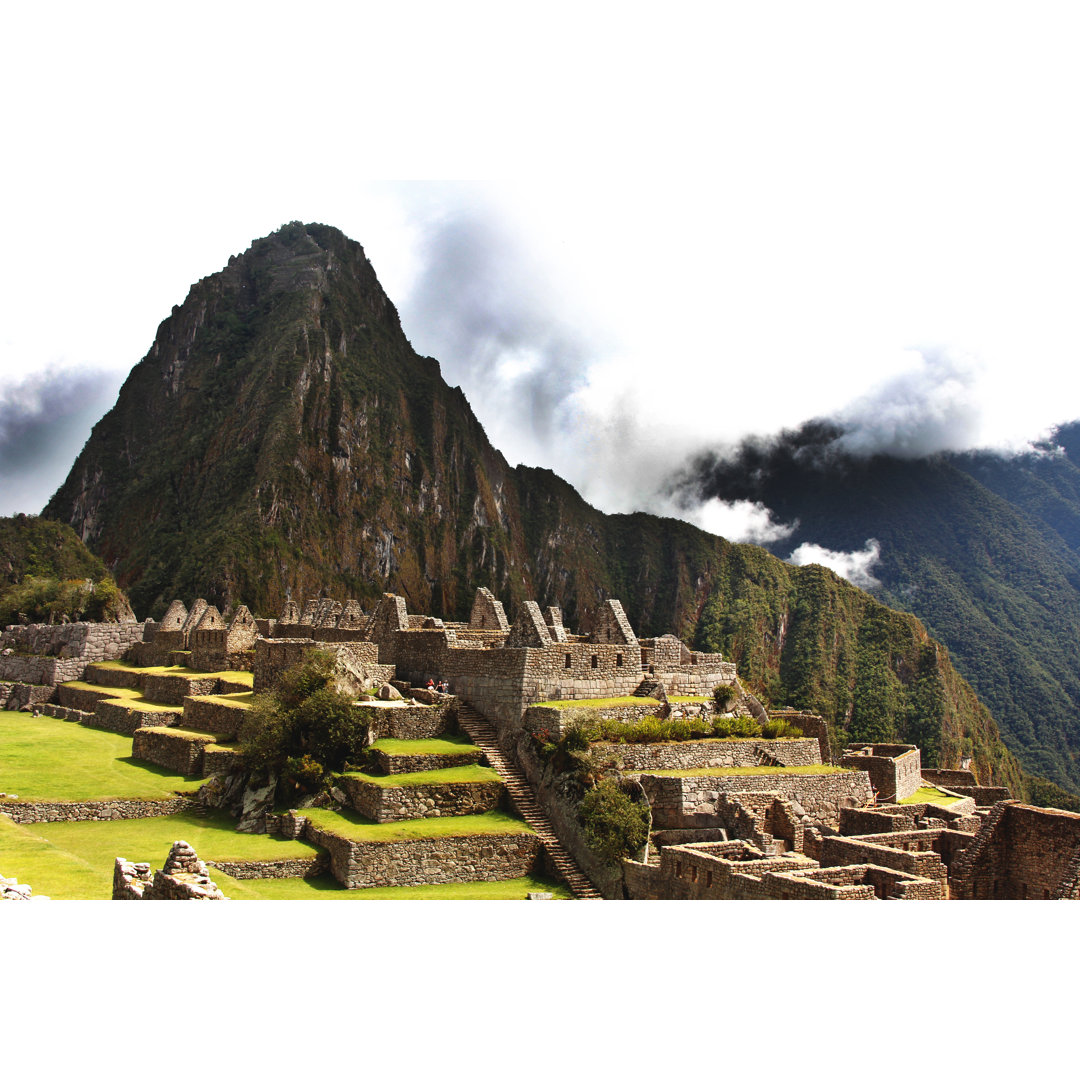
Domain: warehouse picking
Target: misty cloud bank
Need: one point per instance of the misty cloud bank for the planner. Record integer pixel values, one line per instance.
(634, 429)
(45, 419)
(855, 566)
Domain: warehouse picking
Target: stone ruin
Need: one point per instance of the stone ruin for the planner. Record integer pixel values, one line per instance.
(838, 836)
(183, 877)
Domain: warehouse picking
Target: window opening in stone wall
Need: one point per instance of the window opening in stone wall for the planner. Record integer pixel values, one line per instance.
(708, 878)
(595, 661)
(618, 659)
(693, 658)
(693, 873)
(651, 672)
(568, 661)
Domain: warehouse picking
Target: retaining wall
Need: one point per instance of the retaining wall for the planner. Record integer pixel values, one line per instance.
(178, 751)
(821, 796)
(437, 861)
(32, 813)
(386, 803)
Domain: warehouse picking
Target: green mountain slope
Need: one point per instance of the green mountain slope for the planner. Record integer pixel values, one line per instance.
(281, 437)
(981, 548)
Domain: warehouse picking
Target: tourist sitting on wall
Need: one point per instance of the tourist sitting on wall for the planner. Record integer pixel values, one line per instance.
(443, 687)
(431, 684)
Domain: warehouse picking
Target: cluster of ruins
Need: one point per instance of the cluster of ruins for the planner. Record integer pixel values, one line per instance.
(815, 823)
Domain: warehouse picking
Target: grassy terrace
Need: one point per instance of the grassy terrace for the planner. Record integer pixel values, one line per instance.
(233, 701)
(447, 744)
(606, 703)
(245, 677)
(123, 695)
(326, 888)
(351, 826)
(74, 860)
(931, 795)
(750, 770)
(42, 758)
(463, 774)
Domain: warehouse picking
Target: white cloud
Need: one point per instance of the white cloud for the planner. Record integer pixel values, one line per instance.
(741, 521)
(855, 566)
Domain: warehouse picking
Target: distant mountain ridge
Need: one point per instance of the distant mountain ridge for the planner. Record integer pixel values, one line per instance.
(984, 549)
(282, 437)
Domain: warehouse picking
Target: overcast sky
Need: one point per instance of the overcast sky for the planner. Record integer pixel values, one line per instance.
(655, 233)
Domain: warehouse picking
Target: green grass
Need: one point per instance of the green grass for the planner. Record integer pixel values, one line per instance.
(352, 826)
(326, 888)
(601, 703)
(126, 695)
(463, 774)
(241, 700)
(694, 699)
(448, 744)
(44, 758)
(245, 677)
(931, 795)
(74, 860)
(750, 770)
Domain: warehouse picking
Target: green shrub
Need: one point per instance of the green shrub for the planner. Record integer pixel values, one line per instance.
(303, 724)
(616, 827)
(723, 695)
(48, 599)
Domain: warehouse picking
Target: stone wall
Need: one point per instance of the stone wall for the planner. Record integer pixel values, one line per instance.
(275, 656)
(895, 770)
(87, 641)
(361, 864)
(715, 753)
(247, 869)
(382, 803)
(184, 877)
(172, 689)
(821, 796)
(1022, 853)
(41, 670)
(389, 764)
(736, 871)
(39, 812)
(908, 852)
(220, 759)
(15, 696)
(126, 719)
(178, 751)
(213, 716)
(408, 721)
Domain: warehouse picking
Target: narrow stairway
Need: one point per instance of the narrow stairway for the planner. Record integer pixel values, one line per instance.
(517, 787)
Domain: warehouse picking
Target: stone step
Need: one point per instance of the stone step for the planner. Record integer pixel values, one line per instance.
(483, 734)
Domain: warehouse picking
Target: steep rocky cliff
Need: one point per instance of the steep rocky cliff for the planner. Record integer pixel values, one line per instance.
(281, 437)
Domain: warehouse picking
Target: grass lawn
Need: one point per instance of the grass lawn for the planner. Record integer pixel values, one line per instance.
(352, 826)
(750, 770)
(245, 677)
(931, 795)
(44, 758)
(241, 700)
(326, 888)
(447, 744)
(692, 700)
(601, 703)
(464, 774)
(74, 860)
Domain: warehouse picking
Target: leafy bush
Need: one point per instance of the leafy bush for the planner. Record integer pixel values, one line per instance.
(616, 827)
(48, 599)
(304, 729)
(723, 695)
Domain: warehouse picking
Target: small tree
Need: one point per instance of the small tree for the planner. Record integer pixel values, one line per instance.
(616, 827)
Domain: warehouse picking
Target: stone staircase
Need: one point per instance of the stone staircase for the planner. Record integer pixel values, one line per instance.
(520, 793)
